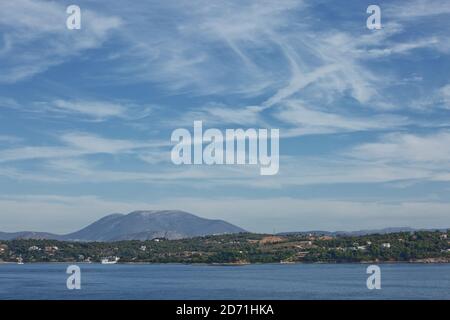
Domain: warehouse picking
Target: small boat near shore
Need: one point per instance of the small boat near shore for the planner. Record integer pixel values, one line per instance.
(110, 260)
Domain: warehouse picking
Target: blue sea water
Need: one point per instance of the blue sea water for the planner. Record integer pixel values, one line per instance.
(265, 281)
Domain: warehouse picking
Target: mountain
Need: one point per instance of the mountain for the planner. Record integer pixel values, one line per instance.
(380, 231)
(169, 224)
(28, 235)
(139, 225)
(359, 232)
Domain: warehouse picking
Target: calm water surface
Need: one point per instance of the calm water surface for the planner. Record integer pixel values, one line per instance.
(268, 281)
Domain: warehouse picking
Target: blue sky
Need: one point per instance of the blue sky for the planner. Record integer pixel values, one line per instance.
(86, 115)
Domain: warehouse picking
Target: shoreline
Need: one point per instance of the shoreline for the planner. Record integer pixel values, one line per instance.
(240, 249)
(231, 264)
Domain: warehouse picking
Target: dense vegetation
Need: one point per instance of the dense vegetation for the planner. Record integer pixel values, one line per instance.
(424, 246)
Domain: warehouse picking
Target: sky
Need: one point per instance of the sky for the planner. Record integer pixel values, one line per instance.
(86, 115)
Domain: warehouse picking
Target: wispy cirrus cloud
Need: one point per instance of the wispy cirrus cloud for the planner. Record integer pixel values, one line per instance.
(418, 9)
(81, 109)
(36, 37)
(277, 64)
(8, 139)
(76, 144)
(308, 60)
(304, 120)
(404, 148)
(96, 110)
(218, 114)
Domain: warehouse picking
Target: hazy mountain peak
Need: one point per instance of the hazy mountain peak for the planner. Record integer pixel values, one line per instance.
(112, 216)
(149, 224)
(158, 212)
(141, 225)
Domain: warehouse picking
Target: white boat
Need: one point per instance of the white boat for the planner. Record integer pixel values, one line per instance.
(20, 260)
(110, 260)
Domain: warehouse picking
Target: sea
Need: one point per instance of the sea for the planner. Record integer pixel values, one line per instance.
(255, 281)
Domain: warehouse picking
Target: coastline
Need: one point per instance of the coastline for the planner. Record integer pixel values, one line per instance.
(240, 249)
(418, 262)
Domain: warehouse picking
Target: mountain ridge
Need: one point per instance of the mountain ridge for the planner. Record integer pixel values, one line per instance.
(170, 224)
(138, 225)
(361, 232)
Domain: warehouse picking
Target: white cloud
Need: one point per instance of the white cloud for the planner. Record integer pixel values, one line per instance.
(81, 109)
(323, 171)
(96, 109)
(418, 8)
(443, 96)
(310, 121)
(182, 55)
(258, 53)
(430, 149)
(77, 144)
(404, 48)
(436, 100)
(397, 157)
(29, 152)
(37, 36)
(322, 214)
(220, 114)
(7, 139)
(95, 144)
